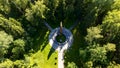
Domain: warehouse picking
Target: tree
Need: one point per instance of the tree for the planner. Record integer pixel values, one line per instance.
(96, 50)
(71, 65)
(5, 42)
(7, 63)
(18, 49)
(111, 26)
(11, 26)
(111, 31)
(36, 13)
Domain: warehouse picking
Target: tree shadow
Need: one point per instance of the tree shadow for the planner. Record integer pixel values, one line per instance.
(45, 44)
(40, 38)
(50, 53)
(72, 55)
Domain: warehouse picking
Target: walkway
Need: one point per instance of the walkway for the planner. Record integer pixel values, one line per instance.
(49, 27)
(61, 59)
(60, 47)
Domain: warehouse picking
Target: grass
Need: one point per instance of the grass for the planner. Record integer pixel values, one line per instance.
(41, 59)
(44, 56)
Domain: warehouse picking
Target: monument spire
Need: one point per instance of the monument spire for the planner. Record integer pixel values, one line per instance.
(61, 27)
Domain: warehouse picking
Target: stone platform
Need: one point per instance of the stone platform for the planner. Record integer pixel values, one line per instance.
(60, 46)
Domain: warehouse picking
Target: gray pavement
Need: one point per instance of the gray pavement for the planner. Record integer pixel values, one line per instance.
(60, 47)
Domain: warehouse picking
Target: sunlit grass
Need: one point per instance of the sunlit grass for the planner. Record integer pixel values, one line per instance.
(40, 58)
(45, 56)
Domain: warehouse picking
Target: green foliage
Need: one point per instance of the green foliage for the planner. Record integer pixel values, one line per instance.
(11, 26)
(20, 4)
(107, 32)
(13, 8)
(112, 17)
(94, 11)
(5, 40)
(36, 13)
(110, 47)
(116, 5)
(88, 64)
(19, 42)
(93, 34)
(18, 49)
(71, 65)
(96, 50)
(98, 54)
(7, 64)
(111, 30)
(13, 64)
(111, 26)
(20, 64)
(63, 10)
(5, 6)
(52, 6)
(113, 65)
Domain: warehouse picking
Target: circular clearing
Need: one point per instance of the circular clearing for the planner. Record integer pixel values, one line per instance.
(60, 45)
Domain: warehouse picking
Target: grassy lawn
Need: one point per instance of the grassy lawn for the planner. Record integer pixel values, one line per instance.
(44, 56)
(42, 59)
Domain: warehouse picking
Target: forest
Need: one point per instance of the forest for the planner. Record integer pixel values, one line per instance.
(24, 37)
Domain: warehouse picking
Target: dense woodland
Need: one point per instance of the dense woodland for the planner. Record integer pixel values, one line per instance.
(23, 34)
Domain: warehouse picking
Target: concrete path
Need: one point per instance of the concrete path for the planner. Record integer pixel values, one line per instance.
(75, 24)
(60, 47)
(49, 27)
(60, 59)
